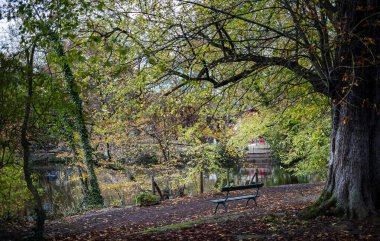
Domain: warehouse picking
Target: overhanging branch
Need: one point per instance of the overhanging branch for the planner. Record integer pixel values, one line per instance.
(259, 63)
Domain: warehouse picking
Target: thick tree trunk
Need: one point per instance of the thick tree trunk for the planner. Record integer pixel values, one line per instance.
(354, 163)
(354, 167)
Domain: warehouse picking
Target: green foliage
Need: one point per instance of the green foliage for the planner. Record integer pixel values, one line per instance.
(146, 199)
(13, 192)
(205, 157)
(147, 160)
(298, 133)
(216, 158)
(117, 78)
(228, 156)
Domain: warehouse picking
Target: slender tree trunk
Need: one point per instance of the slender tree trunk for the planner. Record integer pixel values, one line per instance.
(158, 190)
(354, 167)
(201, 182)
(3, 154)
(40, 213)
(93, 196)
(228, 177)
(109, 157)
(153, 188)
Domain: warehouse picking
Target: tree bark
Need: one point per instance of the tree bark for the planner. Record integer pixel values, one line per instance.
(158, 190)
(350, 176)
(354, 165)
(40, 212)
(201, 182)
(109, 157)
(153, 188)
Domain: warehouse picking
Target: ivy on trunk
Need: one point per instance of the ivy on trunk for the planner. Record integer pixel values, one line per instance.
(93, 195)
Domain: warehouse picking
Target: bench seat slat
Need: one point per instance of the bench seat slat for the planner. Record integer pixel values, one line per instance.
(241, 197)
(233, 198)
(244, 187)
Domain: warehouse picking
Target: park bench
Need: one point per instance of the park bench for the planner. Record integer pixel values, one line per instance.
(229, 189)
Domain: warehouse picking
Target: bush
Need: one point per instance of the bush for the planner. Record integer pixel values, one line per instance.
(14, 194)
(147, 160)
(147, 199)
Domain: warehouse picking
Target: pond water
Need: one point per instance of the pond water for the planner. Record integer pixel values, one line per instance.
(63, 195)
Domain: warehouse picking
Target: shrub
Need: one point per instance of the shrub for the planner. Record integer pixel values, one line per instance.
(14, 194)
(147, 160)
(146, 199)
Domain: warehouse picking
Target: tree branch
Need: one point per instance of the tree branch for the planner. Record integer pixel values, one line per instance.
(261, 62)
(283, 34)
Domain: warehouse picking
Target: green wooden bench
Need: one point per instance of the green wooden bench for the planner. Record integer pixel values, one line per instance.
(224, 201)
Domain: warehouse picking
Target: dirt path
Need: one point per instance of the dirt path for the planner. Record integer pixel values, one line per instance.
(122, 223)
(192, 218)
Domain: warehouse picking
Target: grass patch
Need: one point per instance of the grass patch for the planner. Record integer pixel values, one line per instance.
(172, 227)
(190, 224)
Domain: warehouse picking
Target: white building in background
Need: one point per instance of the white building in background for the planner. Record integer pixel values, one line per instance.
(259, 153)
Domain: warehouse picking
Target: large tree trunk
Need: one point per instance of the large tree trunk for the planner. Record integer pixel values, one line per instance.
(354, 167)
(354, 164)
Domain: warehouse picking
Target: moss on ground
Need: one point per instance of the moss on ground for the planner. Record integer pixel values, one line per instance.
(190, 224)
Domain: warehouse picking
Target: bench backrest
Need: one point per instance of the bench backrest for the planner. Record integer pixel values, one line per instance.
(236, 188)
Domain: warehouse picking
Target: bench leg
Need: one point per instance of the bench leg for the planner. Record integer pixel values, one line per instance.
(246, 203)
(254, 199)
(225, 206)
(216, 208)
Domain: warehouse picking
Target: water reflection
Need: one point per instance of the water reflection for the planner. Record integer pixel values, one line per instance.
(61, 189)
(273, 176)
(63, 194)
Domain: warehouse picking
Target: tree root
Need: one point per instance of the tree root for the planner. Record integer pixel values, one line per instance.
(325, 205)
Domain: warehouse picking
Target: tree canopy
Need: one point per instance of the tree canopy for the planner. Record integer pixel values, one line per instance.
(152, 82)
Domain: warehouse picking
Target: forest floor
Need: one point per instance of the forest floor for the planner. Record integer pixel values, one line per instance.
(192, 218)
